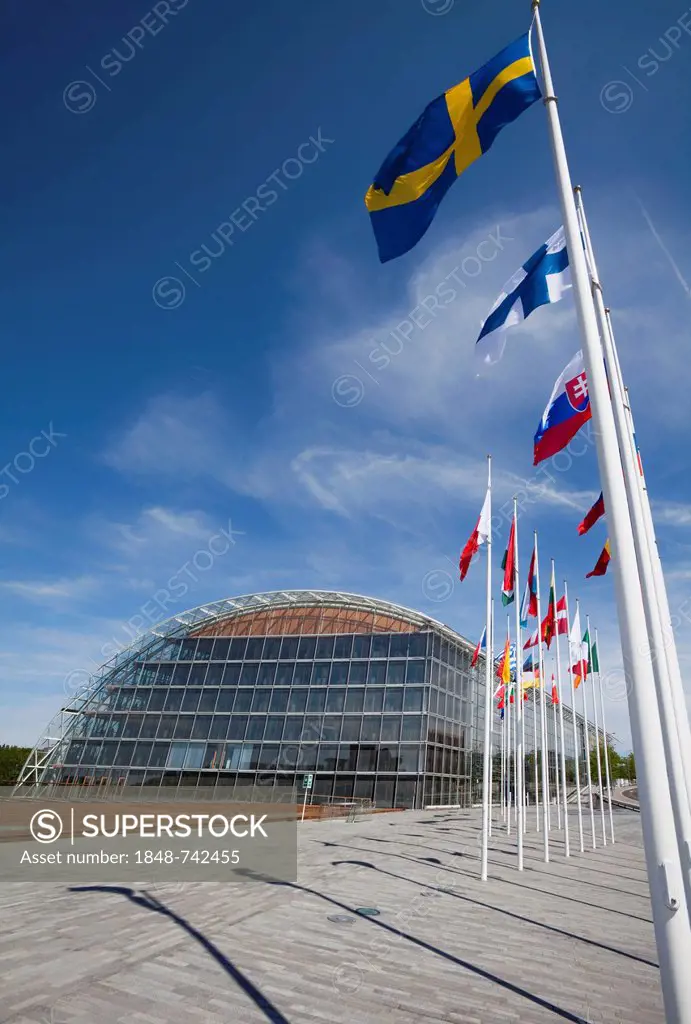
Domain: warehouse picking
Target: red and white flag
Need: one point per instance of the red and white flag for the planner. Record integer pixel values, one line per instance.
(480, 535)
(562, 617)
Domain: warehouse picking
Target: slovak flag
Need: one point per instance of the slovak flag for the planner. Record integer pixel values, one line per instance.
(567, 410)
(480, 535)
(482, 644)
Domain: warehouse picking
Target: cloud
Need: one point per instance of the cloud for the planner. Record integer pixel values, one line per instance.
(46, 591)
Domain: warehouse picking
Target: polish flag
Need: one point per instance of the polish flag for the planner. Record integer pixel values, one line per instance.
(480, 535)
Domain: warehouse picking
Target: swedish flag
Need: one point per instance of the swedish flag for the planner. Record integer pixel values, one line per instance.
(451, 133)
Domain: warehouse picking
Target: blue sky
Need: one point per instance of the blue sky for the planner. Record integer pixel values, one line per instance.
(229, 404)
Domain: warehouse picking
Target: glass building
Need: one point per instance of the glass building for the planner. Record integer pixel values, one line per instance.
(251, 694)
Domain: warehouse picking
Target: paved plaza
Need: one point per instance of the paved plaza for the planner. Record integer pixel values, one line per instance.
(565, 941)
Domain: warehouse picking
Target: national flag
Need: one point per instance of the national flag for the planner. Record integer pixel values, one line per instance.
(555, 695)
(549, 623)
(593, 661)
(504, 667)
(592, 516)
(602, 562)
(529, 602)
(533, 667)
(451, 133)
(481, 645)
(542, 279)
(532, 640)
(508, 564)
(566, 412)
(579, 664)
(480, 535)
(562, 617)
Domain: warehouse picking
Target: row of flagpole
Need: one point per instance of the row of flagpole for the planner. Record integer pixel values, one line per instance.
(512, 760)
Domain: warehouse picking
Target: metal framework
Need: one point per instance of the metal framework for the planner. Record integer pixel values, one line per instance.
(46, 754)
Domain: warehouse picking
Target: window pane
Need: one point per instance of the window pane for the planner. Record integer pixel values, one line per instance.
(200, 729)
(190, 700)
(358, 672)
(255, 727)
(371, 725)
(225, 700)
(254, 648)
(303, 674)
(267, 673)
(214, 674)
(388, 759)
(279, 700)
(325, 647)
(166, 726)
(393, 701)
(361, 646)
(328, 756)
(195, 755)
(412, 725)
(415, 672)
(204, 648)
(159, 755)
(320, 675)
(396, 673)
(380, 645)
(331, 727)
(183, 729)
(292, 729)
(231, 675)
(142, 754)
(307, 647)
(180, 675)
(220, 650)
(355, 699)
(237, 648)
(238, 725)
(274, 727)
(367, 759)
(173, 700)
(214, 755)
(342, 647)
(248, 676)
(312, 730)
(339, 673)
(409, 758)
(149, 726)
(261, 701)
(412, 700)
(391, 728)
(243, 700)
(374, 698)
(417, 645)
(350, 730)
(298, 701)
(335, 700)
(316, 701)
(377, 673)
(272, 646)
(208, 701)
(289, 647)
(398, 647)
(176, 755)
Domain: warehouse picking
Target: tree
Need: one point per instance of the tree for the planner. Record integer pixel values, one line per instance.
(12, 761)
(619, 767)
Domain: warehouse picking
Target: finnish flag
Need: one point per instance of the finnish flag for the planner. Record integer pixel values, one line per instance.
(543, 279)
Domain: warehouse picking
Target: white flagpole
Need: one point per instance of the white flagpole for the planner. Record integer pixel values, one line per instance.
(537, 782)
(488, 686)
(587, 740)
(556, 764)
(520, 761)
(597, 736)
(560, 694)
(576, 757)
(675, 728)
(543, 716)
(604, 733)
(668, 897)
(508, 716)
(489, 647)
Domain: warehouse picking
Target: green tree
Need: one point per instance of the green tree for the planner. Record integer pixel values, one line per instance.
(11, 763)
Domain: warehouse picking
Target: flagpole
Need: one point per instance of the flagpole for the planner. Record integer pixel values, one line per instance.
(588, 773)
(537, 784)
(488, 687)
(597, 733)
(604, 733)
(508, 716)
(520, 762)
(672, 929)
(489, 647)
(556, 762)
(675, 727)
(560, 692)
(543, 715)
(575, 726)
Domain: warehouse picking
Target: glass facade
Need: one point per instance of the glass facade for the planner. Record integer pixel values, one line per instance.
(387, 711)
